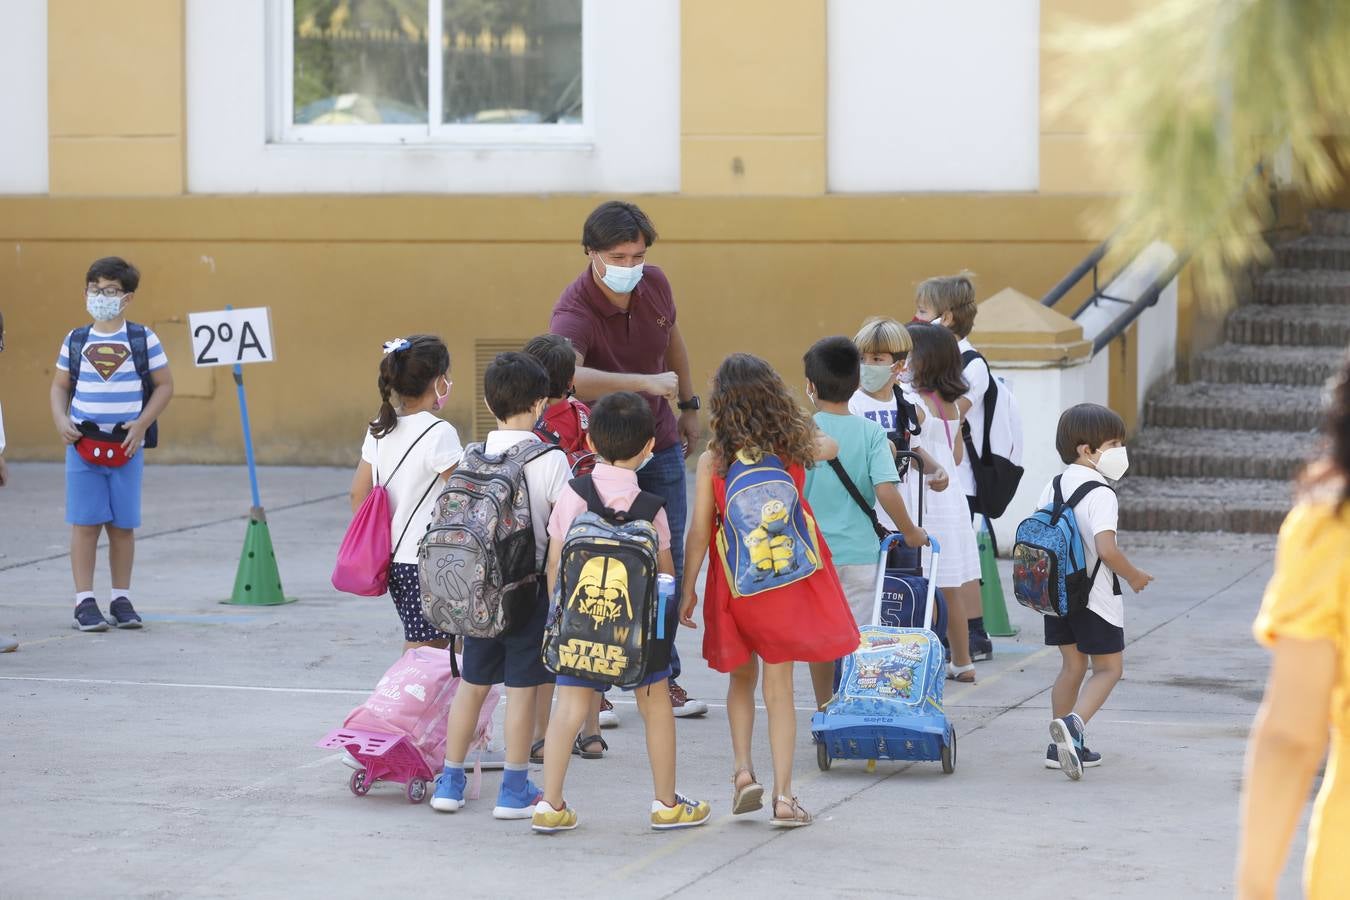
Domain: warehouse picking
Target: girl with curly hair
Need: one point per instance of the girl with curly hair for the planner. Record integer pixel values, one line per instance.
(755, 419)
(1305, 716)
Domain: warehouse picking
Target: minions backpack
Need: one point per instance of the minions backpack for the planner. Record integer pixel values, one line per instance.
(765, 537)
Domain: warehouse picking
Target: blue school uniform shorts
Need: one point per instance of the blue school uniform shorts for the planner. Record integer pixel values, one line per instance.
(99, 495)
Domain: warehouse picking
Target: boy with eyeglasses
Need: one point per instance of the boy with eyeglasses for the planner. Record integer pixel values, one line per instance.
(112, 383)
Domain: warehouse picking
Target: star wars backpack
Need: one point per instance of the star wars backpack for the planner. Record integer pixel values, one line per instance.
(606, 623)
(765, 538)
(476, 564)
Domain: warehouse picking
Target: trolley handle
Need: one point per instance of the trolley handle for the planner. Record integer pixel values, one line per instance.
(930, 601)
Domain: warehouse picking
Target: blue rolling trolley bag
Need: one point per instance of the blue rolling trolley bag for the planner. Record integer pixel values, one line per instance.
(889, 701)
(904, 589)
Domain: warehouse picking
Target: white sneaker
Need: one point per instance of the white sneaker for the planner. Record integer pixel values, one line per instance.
(684, 706)
(351, 762)
(608, 717)
(8, 645)
(493, 756)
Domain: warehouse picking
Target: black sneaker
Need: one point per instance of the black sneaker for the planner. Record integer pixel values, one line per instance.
(1086, 758)
(981, 647)
(88, 617)
(123, 615)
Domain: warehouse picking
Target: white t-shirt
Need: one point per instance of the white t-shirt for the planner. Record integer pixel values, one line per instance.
(435, 453)
(977, 377)
(545, 478)
(1097, 512)
(884, 413)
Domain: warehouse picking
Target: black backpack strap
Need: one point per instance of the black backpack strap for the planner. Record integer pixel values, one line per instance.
(989, 402)
(905, 411)
(140, 358)
(644, 507)
(857, 496)
(75, 352)
(415, 442)
(412, 515)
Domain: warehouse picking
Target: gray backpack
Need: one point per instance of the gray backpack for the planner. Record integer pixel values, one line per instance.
(476, 564)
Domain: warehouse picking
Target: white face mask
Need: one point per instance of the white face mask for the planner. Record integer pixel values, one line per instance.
(906, 377)
(873, 377)
(101, 308)
(1113, 463)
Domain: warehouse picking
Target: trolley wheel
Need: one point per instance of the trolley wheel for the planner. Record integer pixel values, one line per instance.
(823, 756)
(360, 787)
(417, 790)
(949, 753)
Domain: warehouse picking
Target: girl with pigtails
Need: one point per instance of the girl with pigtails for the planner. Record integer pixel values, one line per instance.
(409, 450)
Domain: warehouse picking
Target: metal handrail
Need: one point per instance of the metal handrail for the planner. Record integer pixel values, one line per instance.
(1134, 308)
(1068, 282)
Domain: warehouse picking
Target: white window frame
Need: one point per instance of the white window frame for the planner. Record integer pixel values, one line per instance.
(233, 62)
(24, 139)
(281, 108)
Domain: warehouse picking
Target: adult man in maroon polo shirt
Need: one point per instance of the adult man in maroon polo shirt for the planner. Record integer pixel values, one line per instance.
(620, 317)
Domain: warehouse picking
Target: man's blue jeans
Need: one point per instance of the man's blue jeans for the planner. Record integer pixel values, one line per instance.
(665, 475)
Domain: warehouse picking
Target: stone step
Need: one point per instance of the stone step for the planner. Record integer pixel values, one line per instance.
(1330, 222)
(1204, 504)
(1303, 286)
(1219, 453)
(1245, 407)
(1254, 364)
(1319, 325)
(1314, 252)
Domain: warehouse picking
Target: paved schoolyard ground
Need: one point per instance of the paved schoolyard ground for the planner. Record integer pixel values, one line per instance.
(179, 760)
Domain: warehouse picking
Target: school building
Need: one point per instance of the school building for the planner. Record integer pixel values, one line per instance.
(371, 168)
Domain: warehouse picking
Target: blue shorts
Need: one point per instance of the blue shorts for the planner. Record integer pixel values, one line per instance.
(569, 681)
(98, 495)
(515, 658)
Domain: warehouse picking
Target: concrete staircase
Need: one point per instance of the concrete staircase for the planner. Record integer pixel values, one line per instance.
(1218, 454)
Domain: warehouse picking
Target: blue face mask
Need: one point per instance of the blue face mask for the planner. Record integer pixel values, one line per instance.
(622, 279)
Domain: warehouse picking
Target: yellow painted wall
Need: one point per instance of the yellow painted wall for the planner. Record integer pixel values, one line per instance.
(115, 86)
(342, 275)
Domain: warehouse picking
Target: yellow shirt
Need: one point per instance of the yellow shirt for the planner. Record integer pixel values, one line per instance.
(1309, 599)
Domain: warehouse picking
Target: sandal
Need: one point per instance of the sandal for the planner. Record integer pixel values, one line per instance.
(963, 674)
(747, 797)
(579, 747)
(537, 753)
(798, 818)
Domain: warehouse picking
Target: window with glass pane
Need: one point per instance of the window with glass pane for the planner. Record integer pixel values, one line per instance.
(369, 62)
(511, 61)
(360, 62)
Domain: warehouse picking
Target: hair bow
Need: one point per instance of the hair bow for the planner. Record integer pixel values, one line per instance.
(395, 345)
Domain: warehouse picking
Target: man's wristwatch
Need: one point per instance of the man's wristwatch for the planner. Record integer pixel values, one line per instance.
(689, 405)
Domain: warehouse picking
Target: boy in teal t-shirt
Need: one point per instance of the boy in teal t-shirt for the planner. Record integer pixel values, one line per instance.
(833, 367)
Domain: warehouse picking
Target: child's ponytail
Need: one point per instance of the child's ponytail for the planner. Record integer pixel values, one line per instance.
(409, 367)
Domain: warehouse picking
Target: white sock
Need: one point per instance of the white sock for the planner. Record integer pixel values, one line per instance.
(120, 592)
(81, 596)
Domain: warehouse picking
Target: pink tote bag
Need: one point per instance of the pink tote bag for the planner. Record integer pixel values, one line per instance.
(365, 554)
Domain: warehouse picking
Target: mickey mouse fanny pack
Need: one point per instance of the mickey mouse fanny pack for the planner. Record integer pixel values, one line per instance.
(102, 448)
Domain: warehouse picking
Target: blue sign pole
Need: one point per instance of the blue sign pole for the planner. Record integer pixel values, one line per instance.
(248, 436)
(248, 433)
(257, 583)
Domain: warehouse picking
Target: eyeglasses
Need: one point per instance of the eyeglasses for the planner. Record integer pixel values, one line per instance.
(111, 293)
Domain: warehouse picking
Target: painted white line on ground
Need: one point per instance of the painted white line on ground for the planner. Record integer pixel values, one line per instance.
(270, 781)
(178, 684)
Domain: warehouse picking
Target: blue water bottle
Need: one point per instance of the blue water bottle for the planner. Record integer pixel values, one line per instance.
(665, 596)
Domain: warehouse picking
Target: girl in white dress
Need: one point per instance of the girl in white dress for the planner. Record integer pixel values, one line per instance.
(935, 374)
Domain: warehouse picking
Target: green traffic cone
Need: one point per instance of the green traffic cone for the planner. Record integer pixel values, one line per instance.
(257, 582)
(991, 587)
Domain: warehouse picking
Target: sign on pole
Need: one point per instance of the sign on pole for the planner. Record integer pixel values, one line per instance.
(236, 337)
(231, 337)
